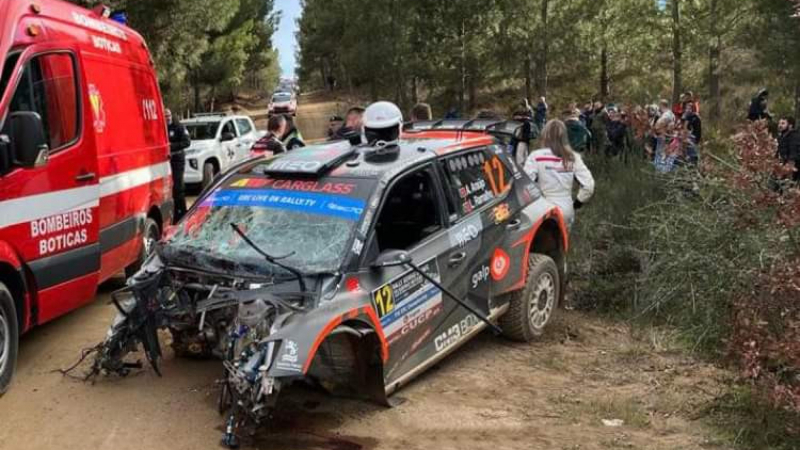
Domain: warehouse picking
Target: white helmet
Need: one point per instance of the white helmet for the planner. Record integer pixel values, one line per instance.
(383, 122)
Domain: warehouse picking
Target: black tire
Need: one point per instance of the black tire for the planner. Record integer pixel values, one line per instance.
(151, 235)
(542, 291)
(209, 171)
(9, 338)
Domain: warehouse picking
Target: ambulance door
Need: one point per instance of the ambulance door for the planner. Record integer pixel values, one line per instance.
(52, 208)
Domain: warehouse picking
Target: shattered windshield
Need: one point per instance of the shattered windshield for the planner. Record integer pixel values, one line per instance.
(311, 220)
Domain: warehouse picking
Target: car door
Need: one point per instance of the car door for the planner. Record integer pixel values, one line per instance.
(478, 184)
(50, 212)
(247, 136)
(419, 321)
(229, 147)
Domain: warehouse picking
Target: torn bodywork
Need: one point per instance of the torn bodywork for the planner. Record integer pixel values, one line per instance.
(267, 333)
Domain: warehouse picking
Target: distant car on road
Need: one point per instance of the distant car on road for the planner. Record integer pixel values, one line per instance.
(218, 141)
(283, 103)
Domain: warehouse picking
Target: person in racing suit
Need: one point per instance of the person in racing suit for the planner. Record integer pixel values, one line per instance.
(179, 141)
(556, 167)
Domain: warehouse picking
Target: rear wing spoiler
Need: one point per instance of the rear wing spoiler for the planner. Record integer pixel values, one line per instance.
(503, 129)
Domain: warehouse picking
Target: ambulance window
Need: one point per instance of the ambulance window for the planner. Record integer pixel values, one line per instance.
(48, 87)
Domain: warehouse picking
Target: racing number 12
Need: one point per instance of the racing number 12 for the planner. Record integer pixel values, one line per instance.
(384, 300)
(497, 184)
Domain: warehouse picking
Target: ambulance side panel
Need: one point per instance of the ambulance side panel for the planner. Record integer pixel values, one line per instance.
(133, 157)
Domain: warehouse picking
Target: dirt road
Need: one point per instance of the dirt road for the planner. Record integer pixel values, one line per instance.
(553, 394)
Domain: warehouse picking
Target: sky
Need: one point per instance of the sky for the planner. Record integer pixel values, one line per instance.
(284, 39)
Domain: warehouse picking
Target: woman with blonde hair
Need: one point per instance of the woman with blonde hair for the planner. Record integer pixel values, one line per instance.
(556, 167)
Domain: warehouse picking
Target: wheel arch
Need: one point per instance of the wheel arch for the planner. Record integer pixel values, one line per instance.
(349, 359)
(14, 280)
(551, 238)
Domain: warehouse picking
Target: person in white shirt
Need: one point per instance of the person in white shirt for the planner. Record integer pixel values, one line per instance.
(556, 167)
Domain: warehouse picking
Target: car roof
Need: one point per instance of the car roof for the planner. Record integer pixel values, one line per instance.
(363, 161)
(210, 118)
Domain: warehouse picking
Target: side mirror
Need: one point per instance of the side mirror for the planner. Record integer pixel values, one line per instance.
(28, 140)
(227, 136)
(391, 258)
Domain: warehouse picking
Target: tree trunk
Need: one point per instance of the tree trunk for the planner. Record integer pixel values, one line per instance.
(677, 52)
(414, 90)
(541, 78)
(796, 98)
(605, 88)
(196, 87)
(714, 54)
(463, 87)
(528, 76)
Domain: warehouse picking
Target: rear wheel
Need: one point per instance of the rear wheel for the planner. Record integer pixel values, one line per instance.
(9, 338)
(532, 308)
(209, 170)
(151, 235)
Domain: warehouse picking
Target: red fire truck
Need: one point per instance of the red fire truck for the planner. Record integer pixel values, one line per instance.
(85, 184)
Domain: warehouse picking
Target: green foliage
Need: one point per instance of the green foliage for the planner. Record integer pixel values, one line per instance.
(199, 46)
(474, 54)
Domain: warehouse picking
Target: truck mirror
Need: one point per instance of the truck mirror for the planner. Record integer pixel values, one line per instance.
(28, 140)
(227, 136)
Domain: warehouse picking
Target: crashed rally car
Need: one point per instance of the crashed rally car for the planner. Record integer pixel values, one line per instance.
(352, 267)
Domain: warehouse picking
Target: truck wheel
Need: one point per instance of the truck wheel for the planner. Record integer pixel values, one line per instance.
(208, 174)
(9, 338)
(532, 308)
(151, 235)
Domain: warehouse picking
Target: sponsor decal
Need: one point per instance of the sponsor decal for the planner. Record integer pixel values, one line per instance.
(295, 185)
(501, 263)
(408, 301)
(466, 232)
(98, 109)
(289, 358)
(480, 276)
(296, 166)
(358, 246)
(455, 333)
(352, 285)
(502, 213)
(319, 204)
(62, 231)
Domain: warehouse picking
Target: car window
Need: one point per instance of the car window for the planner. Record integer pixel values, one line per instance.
(475, 179)
(244, 126)
(281, 98)
(202, 131)
(229, 128)
(411, 212)
(48, 87)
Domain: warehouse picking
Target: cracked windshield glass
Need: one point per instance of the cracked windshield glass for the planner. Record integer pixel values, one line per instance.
(310, 220)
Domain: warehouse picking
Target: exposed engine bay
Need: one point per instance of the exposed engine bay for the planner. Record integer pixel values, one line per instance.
(207, 316)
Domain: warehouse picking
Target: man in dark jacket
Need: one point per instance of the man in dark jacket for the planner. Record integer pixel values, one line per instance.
(617, 133)
(758, 107)
(693, 123)
(789, 143)
(179, 141)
